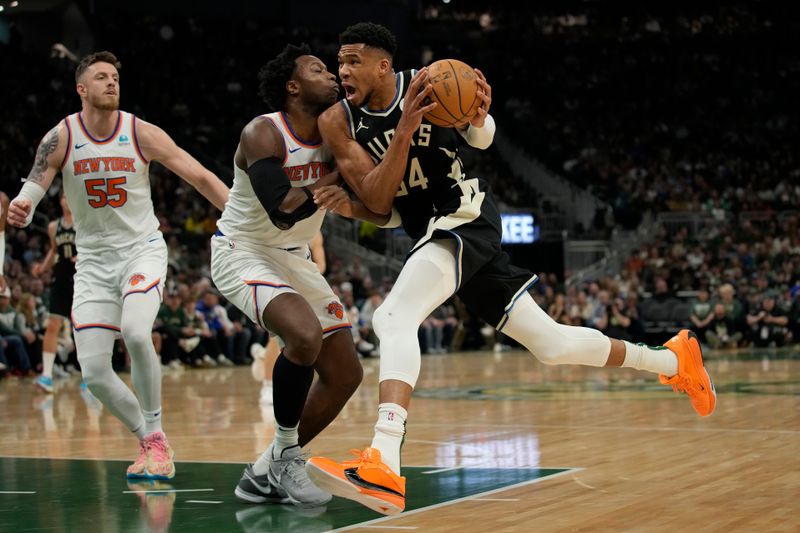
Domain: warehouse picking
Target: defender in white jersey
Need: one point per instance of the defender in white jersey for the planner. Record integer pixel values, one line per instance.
(260, 260)
(103, 155)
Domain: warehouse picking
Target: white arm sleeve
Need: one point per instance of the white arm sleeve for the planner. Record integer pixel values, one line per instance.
(480, 138)
(33, 192)
(394, 220)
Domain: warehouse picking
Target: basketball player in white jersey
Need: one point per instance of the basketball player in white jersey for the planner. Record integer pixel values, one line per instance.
(260, 261)
(103, 155)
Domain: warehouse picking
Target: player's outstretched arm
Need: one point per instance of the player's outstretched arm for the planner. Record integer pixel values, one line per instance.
(156, 145)
(49, 157)
(376, 185)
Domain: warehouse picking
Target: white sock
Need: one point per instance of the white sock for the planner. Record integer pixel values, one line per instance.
(284, 438)
(389, 432)
(152, 421)
(658, 359)
(48, 358)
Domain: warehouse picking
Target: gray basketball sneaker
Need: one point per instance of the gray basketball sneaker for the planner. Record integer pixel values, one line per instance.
(258, 489)
(288, 472)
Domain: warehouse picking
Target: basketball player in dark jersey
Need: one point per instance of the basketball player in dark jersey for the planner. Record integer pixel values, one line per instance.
(61, 257)
(393, 160)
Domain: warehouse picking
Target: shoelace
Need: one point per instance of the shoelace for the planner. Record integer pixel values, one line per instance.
(159, 446)
(297, 474)
(683, 384)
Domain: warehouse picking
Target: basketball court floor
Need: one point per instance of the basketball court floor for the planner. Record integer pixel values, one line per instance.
(495, 442)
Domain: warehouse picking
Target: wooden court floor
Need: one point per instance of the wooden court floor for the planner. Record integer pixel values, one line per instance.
(495, 442)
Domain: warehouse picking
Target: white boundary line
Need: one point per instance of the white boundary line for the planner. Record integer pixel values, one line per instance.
(157, 491)
(440, 470)
(369, 523)
(17, 492)
(203, 501)
(247, 462)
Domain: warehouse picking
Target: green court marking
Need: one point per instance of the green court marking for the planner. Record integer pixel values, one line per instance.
(94, 496)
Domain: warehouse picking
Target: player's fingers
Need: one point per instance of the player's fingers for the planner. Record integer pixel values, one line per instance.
(429, 107)
(418, 80)
(422, 96)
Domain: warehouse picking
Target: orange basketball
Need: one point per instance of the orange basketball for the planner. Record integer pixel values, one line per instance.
(455, 89)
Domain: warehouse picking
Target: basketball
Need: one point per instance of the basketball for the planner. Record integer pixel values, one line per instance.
(455, 89)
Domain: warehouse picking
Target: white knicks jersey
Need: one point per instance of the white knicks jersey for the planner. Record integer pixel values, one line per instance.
(107, 186)
(246, 221)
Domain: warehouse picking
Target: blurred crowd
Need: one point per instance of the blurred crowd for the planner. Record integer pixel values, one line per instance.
(660, 109)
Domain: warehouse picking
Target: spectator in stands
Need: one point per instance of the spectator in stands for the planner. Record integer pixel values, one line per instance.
(722, 331)
(631, 311)
(768, 324)
(180, 341)
(11, 332)
(701, 313)
(558, 308)
(734, 310)
(30, 319)
(794, 313)
(374, 300)
(436, 331)
(581, 311)
(221, 332)
(196, 321)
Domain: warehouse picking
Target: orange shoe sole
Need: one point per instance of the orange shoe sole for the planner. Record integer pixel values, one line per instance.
(329, 476)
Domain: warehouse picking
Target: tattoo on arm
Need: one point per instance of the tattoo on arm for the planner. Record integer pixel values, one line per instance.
(46, 147)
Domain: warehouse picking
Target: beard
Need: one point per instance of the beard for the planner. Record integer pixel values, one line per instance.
(104, 103)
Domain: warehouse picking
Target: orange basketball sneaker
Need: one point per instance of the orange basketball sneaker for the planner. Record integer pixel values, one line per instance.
(366, 480)
(692, 377)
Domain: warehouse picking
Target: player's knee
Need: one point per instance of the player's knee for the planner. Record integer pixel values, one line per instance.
(386, 322)
(96, 371)
(559, 351)
(137, 336)
(303, 345)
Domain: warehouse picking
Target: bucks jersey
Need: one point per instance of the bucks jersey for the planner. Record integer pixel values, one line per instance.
(245, 220)
(437, 200)
(107, 186)
(66, 251)
(435, 192)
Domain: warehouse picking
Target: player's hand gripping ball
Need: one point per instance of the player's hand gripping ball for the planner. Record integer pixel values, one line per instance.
(455, 89)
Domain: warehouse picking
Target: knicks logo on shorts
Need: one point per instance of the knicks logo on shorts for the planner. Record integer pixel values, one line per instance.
(136, 279)
(336, 309)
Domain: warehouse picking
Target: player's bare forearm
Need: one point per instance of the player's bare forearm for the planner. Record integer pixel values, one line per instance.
(338, 200)
(361, 212)
(44, 170)
(375, 185)
(156, 145)
(211, 188)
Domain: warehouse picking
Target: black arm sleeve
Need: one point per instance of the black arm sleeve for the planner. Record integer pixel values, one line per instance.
(271, 185)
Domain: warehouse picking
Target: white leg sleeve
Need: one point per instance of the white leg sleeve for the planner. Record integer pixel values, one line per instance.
(427, 279)
(94, 347)
(138, 314)
(553, 343)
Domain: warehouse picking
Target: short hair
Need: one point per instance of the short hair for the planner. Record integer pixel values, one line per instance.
(370, 34)
(273, 76)
(97, 57)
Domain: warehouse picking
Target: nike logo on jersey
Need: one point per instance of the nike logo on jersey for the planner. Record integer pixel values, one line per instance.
(296, 149)
(79, 146)
(361, 125)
